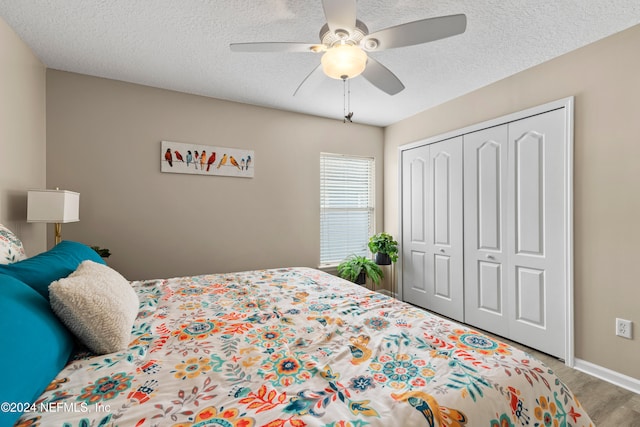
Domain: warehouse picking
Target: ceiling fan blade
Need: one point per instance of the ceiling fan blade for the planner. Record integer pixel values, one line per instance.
(312, 79)
(381, 77)
(416, 32)
(276, 47)
(340, 14)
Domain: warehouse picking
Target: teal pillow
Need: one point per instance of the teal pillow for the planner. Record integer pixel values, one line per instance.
(58, 262)
(34, 345)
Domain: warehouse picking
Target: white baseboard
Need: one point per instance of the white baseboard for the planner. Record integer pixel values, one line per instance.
(608, 375)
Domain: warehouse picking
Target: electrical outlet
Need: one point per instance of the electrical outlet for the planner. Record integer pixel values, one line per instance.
(624, 328)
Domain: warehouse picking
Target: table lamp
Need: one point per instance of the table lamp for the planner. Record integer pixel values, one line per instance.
(53, 206)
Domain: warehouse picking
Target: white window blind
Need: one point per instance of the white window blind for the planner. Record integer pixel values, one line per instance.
(346, 206)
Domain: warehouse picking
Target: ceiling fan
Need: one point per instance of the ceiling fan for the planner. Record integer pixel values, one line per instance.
(345, 41)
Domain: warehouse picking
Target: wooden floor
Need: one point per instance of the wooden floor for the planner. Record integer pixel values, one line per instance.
(606, 404)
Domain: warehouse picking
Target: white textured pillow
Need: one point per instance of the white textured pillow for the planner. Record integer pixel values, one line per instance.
(98, 305)
(11, 249)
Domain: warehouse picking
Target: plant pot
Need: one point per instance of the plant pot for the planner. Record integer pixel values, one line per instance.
(362, 278)
(382, 259)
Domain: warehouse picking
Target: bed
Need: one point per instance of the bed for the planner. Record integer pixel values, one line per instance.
(294, 347)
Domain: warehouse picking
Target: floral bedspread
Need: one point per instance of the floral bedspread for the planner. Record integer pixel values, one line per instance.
(298, 347)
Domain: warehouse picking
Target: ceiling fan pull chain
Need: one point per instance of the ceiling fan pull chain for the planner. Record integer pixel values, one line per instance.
(346, 100)
(349, 99)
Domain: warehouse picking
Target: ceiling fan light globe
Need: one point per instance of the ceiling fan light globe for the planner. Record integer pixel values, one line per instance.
(344, 61)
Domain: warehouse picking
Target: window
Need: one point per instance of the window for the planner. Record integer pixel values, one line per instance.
(346, 206)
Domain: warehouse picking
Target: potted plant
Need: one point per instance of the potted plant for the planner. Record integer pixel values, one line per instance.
(384, 248)
(357, 268)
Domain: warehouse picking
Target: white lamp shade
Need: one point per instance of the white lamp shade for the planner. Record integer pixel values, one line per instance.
(344, 61)
(57, 206)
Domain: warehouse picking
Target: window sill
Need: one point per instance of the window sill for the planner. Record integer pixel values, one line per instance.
(329, 268)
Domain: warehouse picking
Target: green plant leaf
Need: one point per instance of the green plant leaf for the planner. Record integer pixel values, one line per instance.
(351, 267)
(385, 244)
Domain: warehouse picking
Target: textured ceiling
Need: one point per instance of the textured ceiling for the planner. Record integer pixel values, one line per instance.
(183, 45)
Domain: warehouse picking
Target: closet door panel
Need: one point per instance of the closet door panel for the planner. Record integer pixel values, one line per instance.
(488, 163)
(530, 297)
(418, 203)
(417, 274)
(416, 258)
(442, 164)
(489, 288)
(446, 229)
(442, 277)
(537, 241)
(529, 194)
(485, 163)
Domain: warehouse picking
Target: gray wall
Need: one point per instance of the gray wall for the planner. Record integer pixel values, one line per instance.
(22, 136)
(103, 141)
(604, 77)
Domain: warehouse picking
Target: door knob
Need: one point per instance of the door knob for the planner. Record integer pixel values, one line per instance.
(442, 250)
(490, 257)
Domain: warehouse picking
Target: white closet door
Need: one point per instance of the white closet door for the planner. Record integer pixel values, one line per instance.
(485, 252)
(537, 238)
(446, 284)
(517, 256)
(432, 227)
(415, 193)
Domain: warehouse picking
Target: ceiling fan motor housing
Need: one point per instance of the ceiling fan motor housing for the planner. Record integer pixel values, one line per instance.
(351, 36)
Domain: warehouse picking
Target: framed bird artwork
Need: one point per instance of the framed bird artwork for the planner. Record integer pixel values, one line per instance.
(180, 157)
